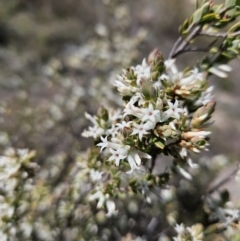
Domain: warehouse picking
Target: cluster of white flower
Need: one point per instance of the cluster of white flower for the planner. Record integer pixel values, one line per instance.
(193, 233)
(118, 151)
(103, 124)
(15, 167)
(227, 216)
(104, 199)
(164, 110)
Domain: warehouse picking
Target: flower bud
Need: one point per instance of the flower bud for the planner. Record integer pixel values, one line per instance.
(202, 114)
(102, 114)
(157, 65)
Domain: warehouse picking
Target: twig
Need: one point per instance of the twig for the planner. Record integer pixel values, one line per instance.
(220, 34)
(195, 50)
(175, 46)
(178, 50)
(177, 43)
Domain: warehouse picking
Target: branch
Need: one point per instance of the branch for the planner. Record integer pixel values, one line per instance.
(195, 49)
(177, 50)
(220, 34)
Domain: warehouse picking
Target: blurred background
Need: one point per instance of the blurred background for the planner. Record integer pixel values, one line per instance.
(59, 59)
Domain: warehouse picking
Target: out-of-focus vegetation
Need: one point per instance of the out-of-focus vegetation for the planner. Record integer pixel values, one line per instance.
(55, 57)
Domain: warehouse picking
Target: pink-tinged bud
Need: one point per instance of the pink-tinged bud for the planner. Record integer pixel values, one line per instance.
(202, 114)
(152, 55)
(191, 134)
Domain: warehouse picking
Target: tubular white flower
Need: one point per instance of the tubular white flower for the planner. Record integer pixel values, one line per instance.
(206, 96)
(150, 114)
(123, 125)
(142, 129)
(171, 68)
(91, 118)
(144, 114)
(111, 208)
(184, 173)
(143, 72)
(94, 131)
(115, 115)
(98, 196)
(172, 111)
(104, 143)
(179, 228)
(113, 131)
(193, 233)
(118, 155)
(218, 72)
(95, 175)
(132, 163)
(119, 152)
(195, 75)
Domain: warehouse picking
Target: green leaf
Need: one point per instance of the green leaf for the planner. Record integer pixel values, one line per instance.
(197, 16)
(230, 3)
(209, 16)
(235, 27)
(231, 13)
(233, 51)
(217, 8)
(159, 144)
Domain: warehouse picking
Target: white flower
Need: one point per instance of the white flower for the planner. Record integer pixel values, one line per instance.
(119, 152)
(193, 233)
(233, 214)
(150, 114)
(111, 208)
(184, 173)
(132, 163)
(104, 143)
(98, 196)
(171, 68)
(141, 129)
(179, 228)
(195, 75)
(205, 97)
(134, 159)
(144, 114)
(142, 71)
(218, 72)
(118, 155)
(125, 88)
(94, 131)
(172, 111)
(191, 164)
(115, 115)
(95, 175)
(167, 194)
(113, 131)
(123, 125)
